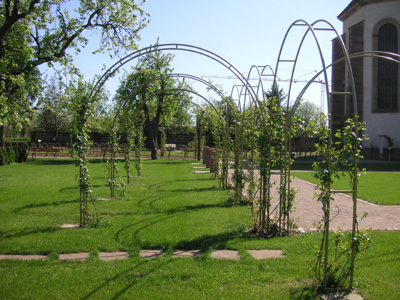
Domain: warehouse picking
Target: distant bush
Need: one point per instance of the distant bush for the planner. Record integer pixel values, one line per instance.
(16, 154)
(17, 140)
(22, 153)
(11, 155)
(4, 156)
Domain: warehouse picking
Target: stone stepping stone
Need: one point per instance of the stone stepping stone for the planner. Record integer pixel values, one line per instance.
(225, 254)
(82, 256)
(199, 167)
(22, 257)
(185, 253)
(107, 256)
(69, 226)
(103, 199)
(150, 253)
(201, 172)
(264, 254)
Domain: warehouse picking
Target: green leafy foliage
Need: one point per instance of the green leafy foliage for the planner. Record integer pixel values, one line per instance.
(4, 160)
(335, 269)
(35, 32)
(83, 106)
(150, 90)
(115, 182)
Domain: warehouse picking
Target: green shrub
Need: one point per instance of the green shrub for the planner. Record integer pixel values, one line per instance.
(3, 157)
(16, 153)
(23, 152)
(11, 155)
(17, 140)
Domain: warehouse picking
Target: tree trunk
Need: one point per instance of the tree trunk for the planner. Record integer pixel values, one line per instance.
(152, 129)
(153, 143)
(2, 144)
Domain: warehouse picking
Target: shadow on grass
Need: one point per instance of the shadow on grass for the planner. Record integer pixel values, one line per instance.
(57, 203)
(27, 231)
(76, 187)
(168, 162)
(153, 221)
(52, 162)
(60, 161)
(158, 187)
(131, 273)
(207, 242)
(194, 208)
(309, 292)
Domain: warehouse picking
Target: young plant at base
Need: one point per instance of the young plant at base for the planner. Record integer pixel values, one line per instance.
(139, 144)
(130, 140)
(113, 169)
(83, 107)
(334, 271)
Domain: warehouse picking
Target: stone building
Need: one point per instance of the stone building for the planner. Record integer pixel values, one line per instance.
(371, 25)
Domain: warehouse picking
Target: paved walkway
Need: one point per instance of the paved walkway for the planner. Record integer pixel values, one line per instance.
(308, 211)
(150, 254)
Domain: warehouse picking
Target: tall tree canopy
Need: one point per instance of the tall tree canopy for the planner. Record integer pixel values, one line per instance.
(150, 90)
(34, 32)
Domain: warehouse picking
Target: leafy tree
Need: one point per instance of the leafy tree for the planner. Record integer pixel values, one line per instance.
(35, 32)
(149, 89)
(53, 114)
(310, 118)
(16, 89)
(274, 91)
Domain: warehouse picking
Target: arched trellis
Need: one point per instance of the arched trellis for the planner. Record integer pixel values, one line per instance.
(173, 47)
(285, 171)
(311, 28)
(193, 77)
(373, 54)
(198, 79)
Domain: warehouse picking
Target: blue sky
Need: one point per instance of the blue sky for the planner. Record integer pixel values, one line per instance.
(245, 33)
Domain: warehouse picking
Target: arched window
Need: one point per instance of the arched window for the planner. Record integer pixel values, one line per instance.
(388, 76)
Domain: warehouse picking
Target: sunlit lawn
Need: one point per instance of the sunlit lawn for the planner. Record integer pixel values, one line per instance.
(376, 187)
(169, 208)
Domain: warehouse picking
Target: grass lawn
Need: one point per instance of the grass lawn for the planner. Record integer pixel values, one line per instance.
(375, 187)
(169, 208)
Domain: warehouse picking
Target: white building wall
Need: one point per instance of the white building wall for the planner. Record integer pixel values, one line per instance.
(376, 123)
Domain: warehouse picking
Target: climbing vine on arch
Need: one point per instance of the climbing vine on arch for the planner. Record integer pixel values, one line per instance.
(83, 106)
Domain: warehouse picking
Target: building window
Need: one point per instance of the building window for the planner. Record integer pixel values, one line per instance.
(388, 76)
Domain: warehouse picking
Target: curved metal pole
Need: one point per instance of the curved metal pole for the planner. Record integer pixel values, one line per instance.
(180, 90)
(199, 79)
(236, 88)
(310, 28)
(371, 54)
(172, 47)
(286, 177)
